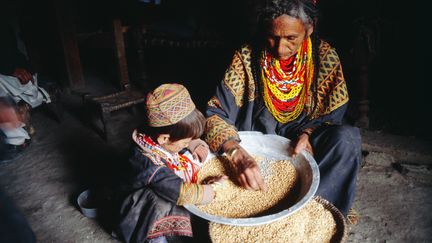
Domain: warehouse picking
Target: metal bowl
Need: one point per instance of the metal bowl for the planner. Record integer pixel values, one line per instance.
(86, 204)
(273, 147)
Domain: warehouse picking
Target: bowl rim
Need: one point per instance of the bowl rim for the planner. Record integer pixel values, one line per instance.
(254, 221)
(90, 212)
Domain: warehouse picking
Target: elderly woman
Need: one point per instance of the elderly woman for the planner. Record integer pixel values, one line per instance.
(288, 82)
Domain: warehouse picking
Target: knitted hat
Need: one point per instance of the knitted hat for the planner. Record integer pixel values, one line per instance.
(168, 104)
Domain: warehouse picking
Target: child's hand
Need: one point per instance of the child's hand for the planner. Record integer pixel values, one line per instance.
(215, 180)
(199, 149)
(213, 188)
(218, 185)
(200, 153)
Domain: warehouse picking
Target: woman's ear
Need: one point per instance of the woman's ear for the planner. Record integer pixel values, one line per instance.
(309, 30)
(163, 138)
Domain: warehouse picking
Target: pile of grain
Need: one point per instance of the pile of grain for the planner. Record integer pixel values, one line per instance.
(315, 222)
(234, 201)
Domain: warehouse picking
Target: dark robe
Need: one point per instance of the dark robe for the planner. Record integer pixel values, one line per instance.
(149, 208)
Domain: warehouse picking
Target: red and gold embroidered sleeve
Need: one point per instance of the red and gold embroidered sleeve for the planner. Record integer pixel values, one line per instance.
(332, 89)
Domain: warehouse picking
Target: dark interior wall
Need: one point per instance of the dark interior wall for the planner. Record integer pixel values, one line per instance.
(397, 100)
(39, 32)
(393, 84)
(226, 18)
(422, 62)
(198, 68)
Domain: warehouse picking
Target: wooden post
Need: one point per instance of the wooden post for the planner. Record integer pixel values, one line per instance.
(120, 54)
(138, 41)
(67, 31)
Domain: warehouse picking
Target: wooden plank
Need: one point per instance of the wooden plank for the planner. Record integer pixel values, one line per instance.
(67, 31)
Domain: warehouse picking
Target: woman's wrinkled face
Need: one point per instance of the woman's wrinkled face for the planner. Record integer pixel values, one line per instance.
(177, 146)
(285, 36)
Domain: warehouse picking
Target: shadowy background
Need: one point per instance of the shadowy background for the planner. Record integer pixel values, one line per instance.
(389, 31)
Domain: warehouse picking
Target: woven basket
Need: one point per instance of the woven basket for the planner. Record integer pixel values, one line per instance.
(341, 224)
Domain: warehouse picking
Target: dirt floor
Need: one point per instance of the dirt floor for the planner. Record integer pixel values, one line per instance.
(394, 197)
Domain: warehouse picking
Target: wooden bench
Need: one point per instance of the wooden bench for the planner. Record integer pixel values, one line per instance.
(103, 106)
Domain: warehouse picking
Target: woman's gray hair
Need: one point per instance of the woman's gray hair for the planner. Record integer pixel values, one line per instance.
(304, 10)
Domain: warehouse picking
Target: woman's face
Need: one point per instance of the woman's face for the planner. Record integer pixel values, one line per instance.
(177, 146)
(285, 36)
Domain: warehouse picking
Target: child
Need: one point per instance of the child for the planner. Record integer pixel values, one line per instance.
(163, 178)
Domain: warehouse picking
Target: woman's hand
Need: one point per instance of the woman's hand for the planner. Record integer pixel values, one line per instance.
(247, 170)
(302, 143)
(23, 75)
